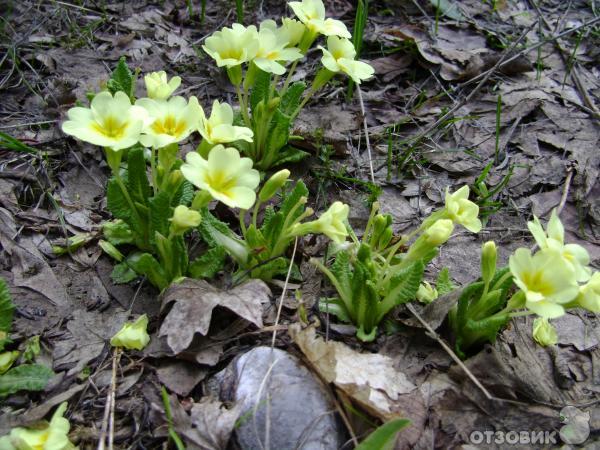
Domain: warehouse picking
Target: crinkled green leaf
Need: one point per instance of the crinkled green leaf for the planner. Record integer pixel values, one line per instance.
(122, 273)
(336, 307)
(26, 377)
(184, 194)
(145, 264)
(117, 232)
(444, 284)
(292, 98)
(384, 437)
(279, 132)
(160, 213)
(292, 198)
(210, 223)
(6, 313)
(403, 287)
(122, 79)
(208, 264)
(137, 178)
(260, 90)
(289, 155)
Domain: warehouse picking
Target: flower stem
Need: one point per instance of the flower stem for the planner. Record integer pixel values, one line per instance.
(243, 106)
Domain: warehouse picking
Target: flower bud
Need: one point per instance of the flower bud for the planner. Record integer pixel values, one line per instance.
(488, 261)
(110, 250)
(426, 293)
(438, 233)
(183, 219)
(132, 335)
(273, 103)
(7, 359)
(273, 184)
(158, 87)
(544, 333)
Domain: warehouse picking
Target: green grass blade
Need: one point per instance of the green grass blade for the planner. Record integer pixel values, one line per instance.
(383, 438)
(10, 143)
(360, 21)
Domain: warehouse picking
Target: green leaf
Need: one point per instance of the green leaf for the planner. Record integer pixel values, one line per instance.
(117, 203)
(184, 194)
(137, 178)
(146, 264)
(208, 225)
(160, 213)
(26, 377)
(444, 284)
(260, 90)
(254, 238)
(402, 288)
(289, 155)
(279, 133)
(266, 271)
(122, 273)
(336, 307)
(122, 79)
(342, 271)
(7, 309)
(117, 232)
(292, 198)
(271, 226)
(11, 143)
(292, 98)
(384, 437)
(207, 265)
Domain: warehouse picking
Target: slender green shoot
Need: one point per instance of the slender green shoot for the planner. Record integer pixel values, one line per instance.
(11, 143)
(390, 150)
(239, 10)
(539, 65)
(190, 8)
(360, 21)
(498, 117)
(172, 433)
(202, 11)
(572, 57)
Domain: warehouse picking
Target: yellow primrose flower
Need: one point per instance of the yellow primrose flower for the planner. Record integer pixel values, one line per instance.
(109, 122)
(233, 46)
(589, 294)
(546, 279)
(426, 293)
(273, 184)
(169, 121)
(544, 333)
(312, 14)
(53, 437)
(271, 51)
(339, 57)
(132, 335)
(553, 238)
(158, 87)
(289, 33)
(438, 233)
(228, 177)
(463, 211)
(219, 129)
(6, 361)
(183, 219)
(331, 224)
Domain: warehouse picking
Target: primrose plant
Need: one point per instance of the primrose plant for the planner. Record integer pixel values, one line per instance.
(377, 273)
(548, 282)
(256, 61)
(156, 206)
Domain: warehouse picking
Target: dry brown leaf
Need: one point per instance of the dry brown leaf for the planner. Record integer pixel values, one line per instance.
(368, 378)
(194, 302)
(214, 422)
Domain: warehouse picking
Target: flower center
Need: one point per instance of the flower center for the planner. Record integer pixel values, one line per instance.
(111, 127)
(220, 181)
(534, 281)
(169, 125)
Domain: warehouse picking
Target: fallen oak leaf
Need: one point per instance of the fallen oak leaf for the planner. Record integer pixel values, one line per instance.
(368, 378)
(193, 304)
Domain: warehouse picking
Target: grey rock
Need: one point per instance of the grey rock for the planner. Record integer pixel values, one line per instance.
(302, 413)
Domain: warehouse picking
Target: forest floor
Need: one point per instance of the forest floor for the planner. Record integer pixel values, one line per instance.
(458, 85)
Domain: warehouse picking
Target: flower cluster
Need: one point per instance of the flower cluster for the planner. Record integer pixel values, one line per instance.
(557, 276)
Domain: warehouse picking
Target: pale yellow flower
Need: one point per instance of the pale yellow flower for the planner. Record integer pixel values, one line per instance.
(546, 279)
(553, 238)
(339, 57)
(54, 436)
(228, 177)
(219, 128)
(312, 14)
(169, 121)
(289, 33)
(271, 52)
(426, 293)
(331, 224)
(183, 219)
(438, 233)
(589, 294)
(109, 122)
(273, 184)
(132, 335)
(159, 87)
(463, 211)
(544, 333)
(233, 46)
